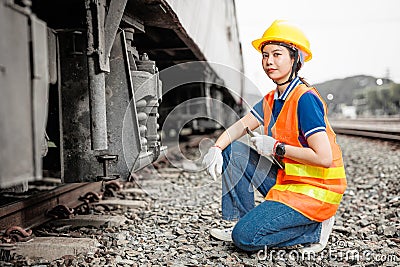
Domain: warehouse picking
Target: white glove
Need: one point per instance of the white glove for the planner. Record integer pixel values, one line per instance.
(264, 144)
(213, 162)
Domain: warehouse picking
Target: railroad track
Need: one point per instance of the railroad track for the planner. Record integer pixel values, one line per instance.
(34, 210)
(20, 213)
(381, 128)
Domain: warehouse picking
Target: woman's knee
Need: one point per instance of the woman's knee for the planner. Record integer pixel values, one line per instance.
(238, 238)
(243, 237)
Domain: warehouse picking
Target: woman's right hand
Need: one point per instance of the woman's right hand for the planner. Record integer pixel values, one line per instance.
(213, 161)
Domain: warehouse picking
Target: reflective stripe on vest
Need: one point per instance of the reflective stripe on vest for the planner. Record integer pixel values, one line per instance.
(313, 191)
(314, 172)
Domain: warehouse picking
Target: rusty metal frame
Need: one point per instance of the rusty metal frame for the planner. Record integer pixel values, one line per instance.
(32, 211)
(101, 33)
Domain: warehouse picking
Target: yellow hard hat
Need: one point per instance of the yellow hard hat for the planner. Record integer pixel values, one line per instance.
(285, 32)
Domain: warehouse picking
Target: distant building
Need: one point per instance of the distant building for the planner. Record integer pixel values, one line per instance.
(348, 111)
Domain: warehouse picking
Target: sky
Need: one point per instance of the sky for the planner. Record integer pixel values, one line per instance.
(347, 37)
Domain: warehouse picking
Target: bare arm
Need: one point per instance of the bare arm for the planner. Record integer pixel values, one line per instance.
(319, 152)
(237, 130)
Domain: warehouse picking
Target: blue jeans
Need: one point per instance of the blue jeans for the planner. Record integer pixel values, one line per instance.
(271, 223)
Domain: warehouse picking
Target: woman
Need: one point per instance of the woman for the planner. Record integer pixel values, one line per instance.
(302, 198)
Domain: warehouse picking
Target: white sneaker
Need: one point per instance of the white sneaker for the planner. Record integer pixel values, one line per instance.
(326, 231)
(224, 234)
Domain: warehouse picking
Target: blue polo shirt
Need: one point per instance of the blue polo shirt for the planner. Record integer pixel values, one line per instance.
(310, 111)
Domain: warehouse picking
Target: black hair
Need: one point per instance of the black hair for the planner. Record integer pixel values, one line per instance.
(292, 54)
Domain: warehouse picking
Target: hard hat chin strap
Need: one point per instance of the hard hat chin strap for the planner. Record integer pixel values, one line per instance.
(296, 57)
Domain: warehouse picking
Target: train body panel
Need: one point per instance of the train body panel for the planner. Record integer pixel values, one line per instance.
(23, 101)
(213, 27)
(97, 71)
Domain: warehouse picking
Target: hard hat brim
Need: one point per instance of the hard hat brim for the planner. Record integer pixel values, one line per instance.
(258, 43)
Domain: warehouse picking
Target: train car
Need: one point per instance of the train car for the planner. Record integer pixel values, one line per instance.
(86, 84)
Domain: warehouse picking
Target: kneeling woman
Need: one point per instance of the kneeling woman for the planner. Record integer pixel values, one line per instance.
(302, 197)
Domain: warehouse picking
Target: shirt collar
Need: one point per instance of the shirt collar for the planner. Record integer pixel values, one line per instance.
(296, 81)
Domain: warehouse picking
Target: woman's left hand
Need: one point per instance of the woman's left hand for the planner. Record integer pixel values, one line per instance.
(264, 144)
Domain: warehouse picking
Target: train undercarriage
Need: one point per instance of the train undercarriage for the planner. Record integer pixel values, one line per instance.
(88, 87)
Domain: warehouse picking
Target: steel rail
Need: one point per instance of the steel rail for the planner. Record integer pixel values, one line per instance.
(384, 128)
(30, 212)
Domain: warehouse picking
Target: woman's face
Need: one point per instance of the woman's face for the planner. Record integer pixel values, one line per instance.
(276, 62)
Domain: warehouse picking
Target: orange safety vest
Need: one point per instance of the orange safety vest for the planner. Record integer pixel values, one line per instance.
(313, 191)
